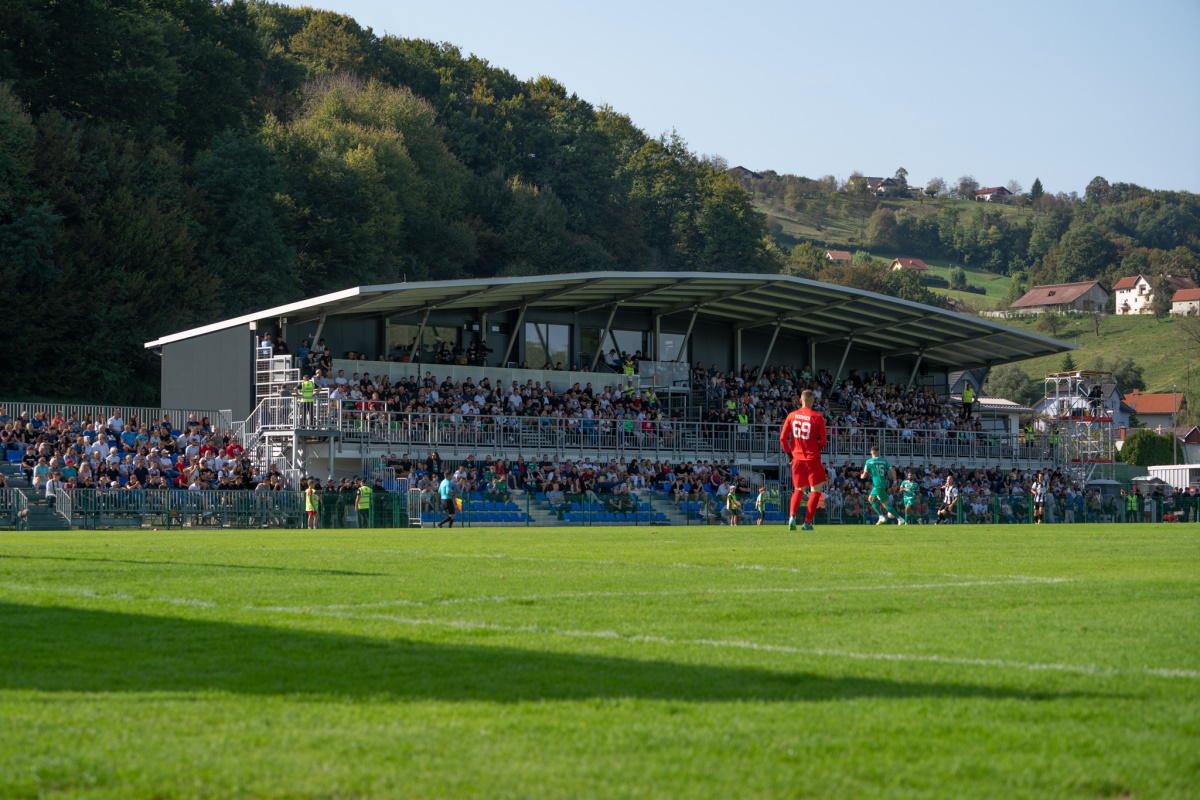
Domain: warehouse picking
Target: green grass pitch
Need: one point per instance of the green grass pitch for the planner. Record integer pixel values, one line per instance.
(955, 662)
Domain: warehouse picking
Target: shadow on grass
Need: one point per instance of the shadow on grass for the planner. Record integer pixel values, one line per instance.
(251, 567)
(55, 648)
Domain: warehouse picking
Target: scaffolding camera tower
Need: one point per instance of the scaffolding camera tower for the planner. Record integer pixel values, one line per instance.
(1081, 408)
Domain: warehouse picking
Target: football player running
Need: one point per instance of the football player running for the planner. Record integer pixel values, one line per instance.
(880, 472)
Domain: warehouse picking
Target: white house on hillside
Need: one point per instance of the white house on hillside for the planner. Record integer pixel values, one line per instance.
(1186, 301)
(1134, 293)
(993, 194)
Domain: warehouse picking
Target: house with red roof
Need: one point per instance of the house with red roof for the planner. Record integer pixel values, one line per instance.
(1186, 301)
(839, 256)
(1134, 293)
(909, 263)
(1156, 409)
(1082, 296)
(993, 194)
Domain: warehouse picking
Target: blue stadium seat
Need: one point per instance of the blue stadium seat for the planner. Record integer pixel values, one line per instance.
(660, 516)
(14, 456)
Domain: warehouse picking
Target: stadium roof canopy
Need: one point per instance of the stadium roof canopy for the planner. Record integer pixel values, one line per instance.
(822, 312)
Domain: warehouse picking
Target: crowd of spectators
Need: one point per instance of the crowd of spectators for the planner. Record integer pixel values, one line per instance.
(613, 483)
(63, 451)
(617, 411)
(858, 402)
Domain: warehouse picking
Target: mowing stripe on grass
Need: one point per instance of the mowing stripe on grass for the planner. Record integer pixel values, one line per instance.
(75, 592)
(471, 625)
(588, 561)
(686, 592)
(89, 593)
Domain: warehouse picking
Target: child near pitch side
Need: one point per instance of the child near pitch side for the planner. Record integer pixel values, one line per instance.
(760, 504)
(880, 471)
(909, 490)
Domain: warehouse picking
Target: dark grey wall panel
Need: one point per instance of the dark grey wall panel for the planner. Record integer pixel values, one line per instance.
(210, 371)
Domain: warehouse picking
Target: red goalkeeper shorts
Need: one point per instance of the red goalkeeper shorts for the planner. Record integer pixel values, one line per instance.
(807, 473)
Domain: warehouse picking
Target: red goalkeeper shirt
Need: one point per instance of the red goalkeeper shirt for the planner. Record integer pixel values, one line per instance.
(803, 434)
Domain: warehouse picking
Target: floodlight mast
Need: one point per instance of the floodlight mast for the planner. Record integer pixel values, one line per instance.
(1081, 410)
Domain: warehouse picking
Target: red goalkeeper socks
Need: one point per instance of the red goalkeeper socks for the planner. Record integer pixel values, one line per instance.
(814, 499)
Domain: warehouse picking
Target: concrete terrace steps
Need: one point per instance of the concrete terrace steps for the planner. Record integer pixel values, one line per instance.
(42, 516)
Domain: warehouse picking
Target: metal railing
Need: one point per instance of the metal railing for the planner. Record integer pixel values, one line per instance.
(593, 437)
(21, 504)
(168, 508)
(64, 504)
(172, 508)
(9, 506)
(560, 380)
(219, 419)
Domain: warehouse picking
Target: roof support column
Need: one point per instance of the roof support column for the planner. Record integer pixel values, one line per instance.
(657, 337)
(603, 336)
(812, 355)
(320, 327)
(882, 364)
(512, 337)
(916, 366)
(420, 333)
(837, 376)
(687, 337)
(737, 349)
(767, 358)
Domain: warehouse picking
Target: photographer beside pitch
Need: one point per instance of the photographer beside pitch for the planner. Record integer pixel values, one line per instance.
(803, 438)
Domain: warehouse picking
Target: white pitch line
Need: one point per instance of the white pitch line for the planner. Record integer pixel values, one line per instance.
(686, 592)
(471, 625)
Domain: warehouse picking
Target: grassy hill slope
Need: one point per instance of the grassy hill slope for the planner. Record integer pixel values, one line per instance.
(1158, 347)
(841, 223)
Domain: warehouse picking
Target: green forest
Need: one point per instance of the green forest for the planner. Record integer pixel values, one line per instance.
(168, 163)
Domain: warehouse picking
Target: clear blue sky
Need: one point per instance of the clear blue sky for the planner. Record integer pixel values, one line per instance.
(1062, 90)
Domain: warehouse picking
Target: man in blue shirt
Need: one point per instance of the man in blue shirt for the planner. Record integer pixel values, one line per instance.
(449, 500)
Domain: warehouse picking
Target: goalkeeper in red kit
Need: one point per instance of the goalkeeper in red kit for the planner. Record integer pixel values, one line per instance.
(803, 439)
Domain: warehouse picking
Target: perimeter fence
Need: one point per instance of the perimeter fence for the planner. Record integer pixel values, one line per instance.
(179, 508)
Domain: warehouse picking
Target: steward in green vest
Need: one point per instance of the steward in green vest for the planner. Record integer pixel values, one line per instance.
(364, 506)
(627, 366)
(308, 390)
(1131, 507)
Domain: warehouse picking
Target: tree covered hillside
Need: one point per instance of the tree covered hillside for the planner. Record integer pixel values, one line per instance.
(166, 163)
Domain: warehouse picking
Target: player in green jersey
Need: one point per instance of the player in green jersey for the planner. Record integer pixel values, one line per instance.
(909, 490)
(879, 471)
